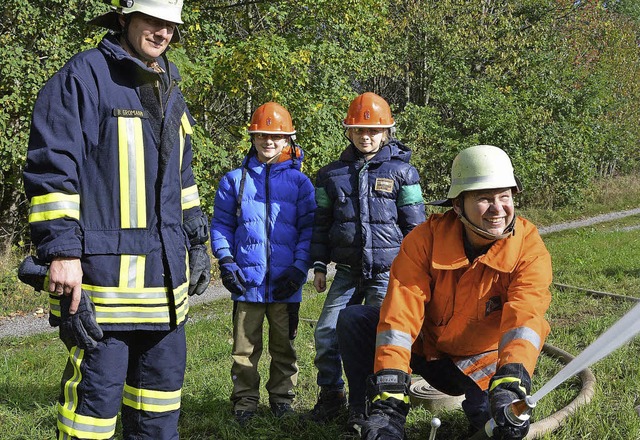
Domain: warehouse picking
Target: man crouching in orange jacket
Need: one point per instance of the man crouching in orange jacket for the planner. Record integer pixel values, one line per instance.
(464, 309)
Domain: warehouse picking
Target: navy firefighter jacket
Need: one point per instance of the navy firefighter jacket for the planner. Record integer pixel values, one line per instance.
(111, 184)
(365, 208)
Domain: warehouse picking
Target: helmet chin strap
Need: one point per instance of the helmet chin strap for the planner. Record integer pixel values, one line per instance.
(510, 229)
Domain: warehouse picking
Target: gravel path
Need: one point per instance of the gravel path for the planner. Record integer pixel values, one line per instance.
(38, 323)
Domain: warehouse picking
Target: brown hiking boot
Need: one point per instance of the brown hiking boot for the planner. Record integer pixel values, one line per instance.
(331, 403)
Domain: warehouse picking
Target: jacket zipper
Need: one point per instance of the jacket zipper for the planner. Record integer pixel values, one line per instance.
(268, 234)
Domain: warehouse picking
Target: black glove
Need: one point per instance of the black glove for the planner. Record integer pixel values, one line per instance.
(511, 382)
(387, 405)
(232, 277)
(80, 329)
(288, 283)
(199, 268)
(32, 271)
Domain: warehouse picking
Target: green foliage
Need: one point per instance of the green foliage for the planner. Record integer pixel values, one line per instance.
(556, 83)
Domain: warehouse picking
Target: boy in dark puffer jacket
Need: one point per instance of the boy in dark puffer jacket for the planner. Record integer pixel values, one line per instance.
(368, 200)
(261, 232)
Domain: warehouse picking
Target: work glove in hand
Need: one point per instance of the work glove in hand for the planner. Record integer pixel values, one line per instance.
(511, 382)
(80, 329)
(288, 283)
(199, 268)
(32, 271)
(387, 405)
(232, 277)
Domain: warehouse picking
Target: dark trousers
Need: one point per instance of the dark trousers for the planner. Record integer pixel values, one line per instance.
(356, 330)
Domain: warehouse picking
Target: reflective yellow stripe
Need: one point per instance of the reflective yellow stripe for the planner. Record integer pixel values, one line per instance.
(79, 426)
(150, 400)
(70, 387)
(190, 197)
(54, 305)
(133, 203)
(115, 305)
(132, 271)
(507, 379)
(398, 396)
(185, 129)
(54, 205)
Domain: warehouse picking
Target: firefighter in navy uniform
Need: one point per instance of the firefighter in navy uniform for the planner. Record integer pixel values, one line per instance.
(115, 213)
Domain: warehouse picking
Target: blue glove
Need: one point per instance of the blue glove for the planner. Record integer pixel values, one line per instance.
(80, 329)
(511, 382)
(199, 268)
(289, 282)
(232, 277)
(387, 405)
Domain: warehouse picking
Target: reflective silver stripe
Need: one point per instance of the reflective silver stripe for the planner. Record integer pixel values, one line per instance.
(525, 333)
(151, 400)
(80, 428)
(55, 206)
(479, 374)
(394, 337)
(112, 313)
(71, 385)
(132, 176)
(128, 297)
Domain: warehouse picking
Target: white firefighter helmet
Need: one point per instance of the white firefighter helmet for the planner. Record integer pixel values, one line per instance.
(482, 167)
(167, 10)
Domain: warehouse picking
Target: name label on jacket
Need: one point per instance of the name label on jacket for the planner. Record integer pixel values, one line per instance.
(384, 185)
(129, 113)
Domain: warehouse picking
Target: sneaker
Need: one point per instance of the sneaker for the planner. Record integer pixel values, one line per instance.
(282, 409)
(354, 423)
(329, 406)
(243, 417)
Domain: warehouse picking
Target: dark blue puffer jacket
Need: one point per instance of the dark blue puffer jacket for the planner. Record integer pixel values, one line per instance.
(271, 231)
(365, 208)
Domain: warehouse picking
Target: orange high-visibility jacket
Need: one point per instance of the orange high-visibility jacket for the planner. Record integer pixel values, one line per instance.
(482, 314)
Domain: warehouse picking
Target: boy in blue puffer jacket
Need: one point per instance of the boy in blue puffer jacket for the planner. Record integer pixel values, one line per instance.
(260, 234)
(368, 200)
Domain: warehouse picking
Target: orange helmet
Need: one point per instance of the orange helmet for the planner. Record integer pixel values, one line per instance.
(271, 118)
(369, 110)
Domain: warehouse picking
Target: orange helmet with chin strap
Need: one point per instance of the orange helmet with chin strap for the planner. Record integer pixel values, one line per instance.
(369, 110)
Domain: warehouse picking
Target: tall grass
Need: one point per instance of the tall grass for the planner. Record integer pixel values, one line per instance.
(602, 257)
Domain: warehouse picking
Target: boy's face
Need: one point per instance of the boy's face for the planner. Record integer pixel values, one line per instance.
(367, 140)
(269, 146)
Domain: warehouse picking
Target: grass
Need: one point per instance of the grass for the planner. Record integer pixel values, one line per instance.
(600, 257)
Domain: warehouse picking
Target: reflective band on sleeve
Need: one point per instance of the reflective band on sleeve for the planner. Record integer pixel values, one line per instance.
(190, 197)
(410, 195)
(394, 337)
(54, 205)
(86, 427)
(133, 202)
(507, 379)
(150, 400)
(524, 333)
(322, 198)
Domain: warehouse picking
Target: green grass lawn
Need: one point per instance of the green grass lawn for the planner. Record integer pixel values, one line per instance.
(603, 257)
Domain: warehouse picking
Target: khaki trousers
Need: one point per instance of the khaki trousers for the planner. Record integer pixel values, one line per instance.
(247, 349)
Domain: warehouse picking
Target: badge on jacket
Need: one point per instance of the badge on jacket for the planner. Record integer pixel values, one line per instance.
(384, 185)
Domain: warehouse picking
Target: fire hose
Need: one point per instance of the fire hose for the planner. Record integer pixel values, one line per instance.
(617, 335)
